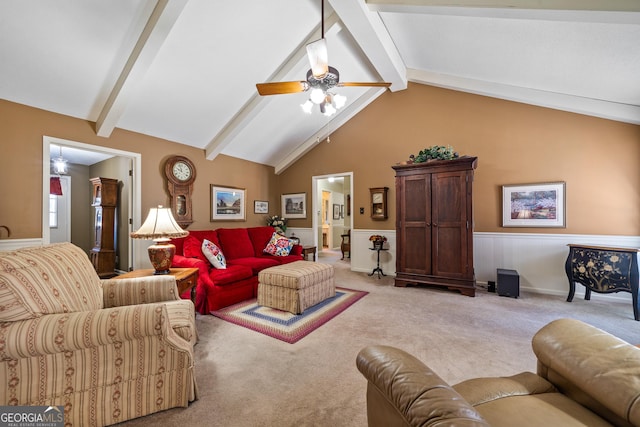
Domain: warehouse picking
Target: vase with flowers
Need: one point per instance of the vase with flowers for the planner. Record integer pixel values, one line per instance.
(377, 240)
(278, 222)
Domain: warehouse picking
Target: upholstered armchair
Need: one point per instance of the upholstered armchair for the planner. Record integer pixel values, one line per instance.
(106, 350)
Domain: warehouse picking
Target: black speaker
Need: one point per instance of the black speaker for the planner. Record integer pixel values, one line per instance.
(508, 283)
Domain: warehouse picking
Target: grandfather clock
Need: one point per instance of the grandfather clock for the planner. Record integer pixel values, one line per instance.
(104, 200)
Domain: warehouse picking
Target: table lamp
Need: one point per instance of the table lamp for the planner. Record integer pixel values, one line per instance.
(160, 226)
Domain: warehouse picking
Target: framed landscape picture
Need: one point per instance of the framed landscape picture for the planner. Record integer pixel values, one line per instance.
(227, 203)
(336, 211)
(260, 207)
(533, 205)
(294, 205)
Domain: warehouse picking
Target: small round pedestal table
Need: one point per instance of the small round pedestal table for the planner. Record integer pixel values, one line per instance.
(378, 269)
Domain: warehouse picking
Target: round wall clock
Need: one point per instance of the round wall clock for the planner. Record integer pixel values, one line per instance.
(180, 170)
(180, 173)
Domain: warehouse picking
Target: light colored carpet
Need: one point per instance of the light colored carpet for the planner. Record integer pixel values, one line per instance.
(284, 325)
(249, 379)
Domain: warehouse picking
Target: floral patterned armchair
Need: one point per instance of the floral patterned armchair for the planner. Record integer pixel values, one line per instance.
(106, 350)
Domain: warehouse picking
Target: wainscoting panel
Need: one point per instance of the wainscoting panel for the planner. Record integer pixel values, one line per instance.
(539, 259)
(304, 234)
(12, 244)
(364, 259)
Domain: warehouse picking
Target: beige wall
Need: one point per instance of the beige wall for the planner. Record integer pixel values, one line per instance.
(21, 132)
(515, 144)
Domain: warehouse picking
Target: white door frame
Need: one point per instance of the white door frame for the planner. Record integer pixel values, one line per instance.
(315, 207)
(136, 249)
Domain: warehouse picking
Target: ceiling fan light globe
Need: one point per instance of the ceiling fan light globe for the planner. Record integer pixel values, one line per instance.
(328, 98)
(329, 110)
(339, 100)
(307, 106)
(317, 96)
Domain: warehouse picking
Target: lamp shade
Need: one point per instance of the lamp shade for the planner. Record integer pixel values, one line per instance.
(159, 226)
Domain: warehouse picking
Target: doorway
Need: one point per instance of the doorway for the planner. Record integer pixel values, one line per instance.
(135, 251)
(332, 212)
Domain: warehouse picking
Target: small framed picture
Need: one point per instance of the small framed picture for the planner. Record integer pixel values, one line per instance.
(227, 203)
(294, 205)
(336, 211)
(260, 207)
(533, 205)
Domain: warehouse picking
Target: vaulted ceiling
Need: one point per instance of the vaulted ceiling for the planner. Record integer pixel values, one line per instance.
(185, 70)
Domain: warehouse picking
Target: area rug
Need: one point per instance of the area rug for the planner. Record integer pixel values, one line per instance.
(283, 325)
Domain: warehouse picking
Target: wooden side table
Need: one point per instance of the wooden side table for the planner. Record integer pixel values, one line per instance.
(309, 250)
(186, 278)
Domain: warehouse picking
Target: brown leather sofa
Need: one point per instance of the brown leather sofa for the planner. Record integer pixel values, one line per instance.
(585, 377)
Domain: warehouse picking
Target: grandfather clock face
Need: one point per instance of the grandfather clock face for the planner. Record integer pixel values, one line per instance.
(180, 173)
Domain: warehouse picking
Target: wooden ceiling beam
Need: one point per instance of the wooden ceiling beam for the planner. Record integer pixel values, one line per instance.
(155, 32)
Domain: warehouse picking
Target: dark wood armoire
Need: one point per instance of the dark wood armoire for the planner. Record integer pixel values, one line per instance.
(434, 224)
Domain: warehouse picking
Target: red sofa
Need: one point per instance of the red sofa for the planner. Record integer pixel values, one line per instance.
(243, 250)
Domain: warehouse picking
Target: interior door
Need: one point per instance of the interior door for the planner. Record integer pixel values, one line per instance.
(60, 213)
(449, 224)
(415, 230)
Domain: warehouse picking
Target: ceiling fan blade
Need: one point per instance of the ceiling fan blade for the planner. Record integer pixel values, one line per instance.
(364, 84)
(318, 58)
(279, 88)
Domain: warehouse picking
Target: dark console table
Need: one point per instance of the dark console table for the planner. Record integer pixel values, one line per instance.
(603, 270)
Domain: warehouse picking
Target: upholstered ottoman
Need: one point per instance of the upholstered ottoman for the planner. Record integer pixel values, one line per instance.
(296, 286)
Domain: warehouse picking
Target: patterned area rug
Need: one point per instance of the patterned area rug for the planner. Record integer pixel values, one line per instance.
(283, 325)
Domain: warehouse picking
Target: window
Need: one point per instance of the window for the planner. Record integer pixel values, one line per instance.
(53, 211)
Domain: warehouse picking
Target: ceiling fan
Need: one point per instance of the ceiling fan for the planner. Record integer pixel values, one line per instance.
(320, 79)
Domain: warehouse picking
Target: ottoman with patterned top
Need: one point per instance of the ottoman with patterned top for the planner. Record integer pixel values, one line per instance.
(296, 286)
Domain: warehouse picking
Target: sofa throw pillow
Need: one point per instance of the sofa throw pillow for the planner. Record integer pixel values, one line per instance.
(278, 245)
(214, 254)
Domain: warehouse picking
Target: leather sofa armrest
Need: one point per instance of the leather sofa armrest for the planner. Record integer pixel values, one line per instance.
(592, 367)
(402, 390)
(482, 390)
(139, 290)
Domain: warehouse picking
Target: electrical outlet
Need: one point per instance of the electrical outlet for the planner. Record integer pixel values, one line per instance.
(361, 211)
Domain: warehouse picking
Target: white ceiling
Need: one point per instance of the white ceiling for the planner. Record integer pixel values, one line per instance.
(185, 70)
